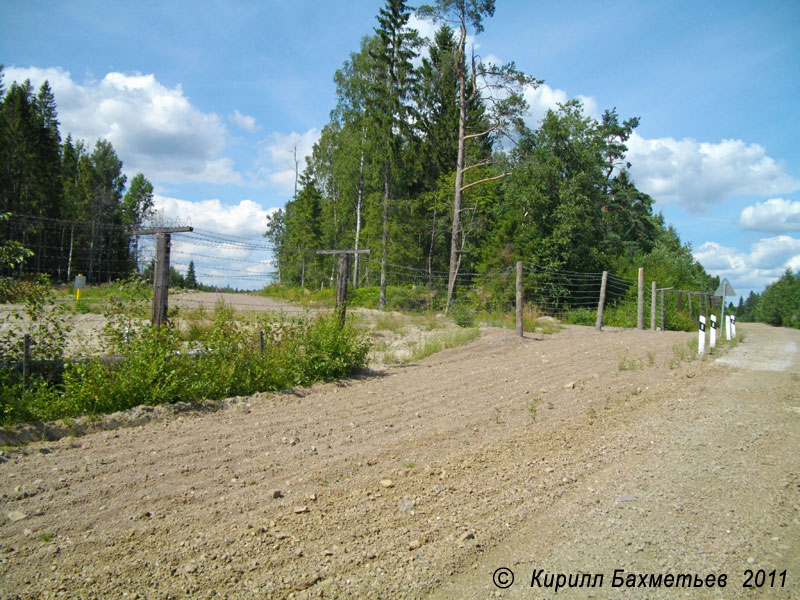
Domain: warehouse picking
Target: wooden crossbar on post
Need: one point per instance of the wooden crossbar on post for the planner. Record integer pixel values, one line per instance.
(342, 274)
(161, 274)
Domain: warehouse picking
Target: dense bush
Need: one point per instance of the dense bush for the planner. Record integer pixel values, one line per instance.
(156, 366)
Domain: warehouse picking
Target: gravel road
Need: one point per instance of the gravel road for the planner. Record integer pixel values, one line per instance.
(580, 452)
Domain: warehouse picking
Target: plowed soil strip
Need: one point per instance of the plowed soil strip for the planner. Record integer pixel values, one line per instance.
(393, 484)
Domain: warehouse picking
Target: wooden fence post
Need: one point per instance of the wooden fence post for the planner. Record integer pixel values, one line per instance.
(663, 309)
(653, 307)
(161, 279)
(640, 301)
(341, 286)
(601, 302)
(26, 360)
(519, 298)
(161, 275)
(690, 304)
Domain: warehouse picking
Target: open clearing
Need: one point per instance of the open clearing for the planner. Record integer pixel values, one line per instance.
(576, 452)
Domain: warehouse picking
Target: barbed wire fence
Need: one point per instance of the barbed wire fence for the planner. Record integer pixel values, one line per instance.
(225, 262)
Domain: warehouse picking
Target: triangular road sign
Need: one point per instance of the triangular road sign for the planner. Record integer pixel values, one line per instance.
(725, 288)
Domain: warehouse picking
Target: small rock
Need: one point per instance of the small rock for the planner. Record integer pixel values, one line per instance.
(414, 544)
(190, 567)
(44, 451)
(387, 483)
(751, 560)
(312, 497)
(298, 510)
(405, 504)
(569, 386)
(626, 498)
(549, 469)
(243, 407)
(16, 515)
(276, 494)
(467, 535)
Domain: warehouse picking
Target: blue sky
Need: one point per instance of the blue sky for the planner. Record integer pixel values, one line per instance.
(207, 99)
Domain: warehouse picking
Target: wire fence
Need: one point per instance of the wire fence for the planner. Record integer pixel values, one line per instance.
(228, 262)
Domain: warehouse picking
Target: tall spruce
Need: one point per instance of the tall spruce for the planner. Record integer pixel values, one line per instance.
(391, 108)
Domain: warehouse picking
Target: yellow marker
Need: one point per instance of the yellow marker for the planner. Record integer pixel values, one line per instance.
(78, 297)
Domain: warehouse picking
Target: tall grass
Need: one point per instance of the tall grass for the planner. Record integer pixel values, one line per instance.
(157, 366)
(444, 341)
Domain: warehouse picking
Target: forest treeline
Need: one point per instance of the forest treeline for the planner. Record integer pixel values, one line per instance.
(427, 162)
(68, 204)
(778, 304)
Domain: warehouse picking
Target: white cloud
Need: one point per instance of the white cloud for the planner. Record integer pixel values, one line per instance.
(246, 219)
(246, 122)
(544, 98)
(426, 28)
(766, 261)
(154, 129)
(699, 174)
(773, 216)
(277, 157)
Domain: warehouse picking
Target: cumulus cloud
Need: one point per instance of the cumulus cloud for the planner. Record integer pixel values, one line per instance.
(247, 218)
(765, 262)
(246, 122)
(227, 246)
(773, 216)
(697, 175)
(154, 129)
(544, 98)
(276, 163)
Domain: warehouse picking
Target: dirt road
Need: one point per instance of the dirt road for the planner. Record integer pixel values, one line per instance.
(581, 452)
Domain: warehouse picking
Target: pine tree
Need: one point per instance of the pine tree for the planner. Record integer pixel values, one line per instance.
(191, 278)
(504, 83)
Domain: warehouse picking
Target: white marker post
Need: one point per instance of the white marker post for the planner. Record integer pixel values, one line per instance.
(701, 336)
(713, 333)
(728, 327)
(733, 326)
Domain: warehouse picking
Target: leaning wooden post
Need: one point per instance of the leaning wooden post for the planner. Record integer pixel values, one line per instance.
(601, 302)
(341, 287)
(653, 307)
(519, 298)
(640, 302)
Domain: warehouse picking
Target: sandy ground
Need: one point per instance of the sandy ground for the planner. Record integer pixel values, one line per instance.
(580, 452)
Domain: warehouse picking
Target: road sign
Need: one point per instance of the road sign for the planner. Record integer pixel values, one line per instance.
(725, 289)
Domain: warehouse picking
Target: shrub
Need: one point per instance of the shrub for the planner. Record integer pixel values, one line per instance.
(154, 366)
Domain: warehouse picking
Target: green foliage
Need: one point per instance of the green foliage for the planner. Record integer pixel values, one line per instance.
(155, 365)
(462, 316)
(46, 183)
(779, 305)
